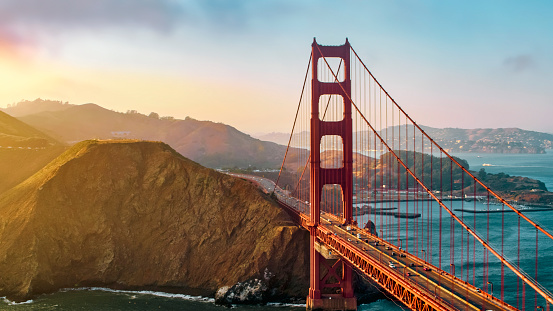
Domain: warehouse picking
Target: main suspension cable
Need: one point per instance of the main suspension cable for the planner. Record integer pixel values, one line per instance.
(293, 126)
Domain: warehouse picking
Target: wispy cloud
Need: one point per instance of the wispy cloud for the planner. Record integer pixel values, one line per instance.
(159, 15)
(520, 63)
(28, 24)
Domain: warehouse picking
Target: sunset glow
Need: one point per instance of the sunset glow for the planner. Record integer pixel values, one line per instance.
(242, 62)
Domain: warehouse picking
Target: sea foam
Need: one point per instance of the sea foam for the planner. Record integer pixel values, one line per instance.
(13, 303)
(142, 292)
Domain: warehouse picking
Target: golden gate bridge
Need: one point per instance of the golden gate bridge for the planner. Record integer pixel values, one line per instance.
(381, 197)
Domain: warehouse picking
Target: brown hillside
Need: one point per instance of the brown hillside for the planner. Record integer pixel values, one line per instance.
(23, 151)
(16, 133)
(137, 214)
(208, 143)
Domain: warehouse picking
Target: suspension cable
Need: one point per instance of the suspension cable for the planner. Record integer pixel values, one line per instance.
(450, 157)
(526, 278)
(293, 126)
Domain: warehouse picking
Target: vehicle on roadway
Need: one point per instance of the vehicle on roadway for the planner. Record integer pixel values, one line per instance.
(391, 265)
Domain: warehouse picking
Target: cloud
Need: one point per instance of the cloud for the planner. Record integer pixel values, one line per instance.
(159, 15)
(520, 63)
(27, 26)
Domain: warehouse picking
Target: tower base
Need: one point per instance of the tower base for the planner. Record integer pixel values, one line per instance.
(332, 303)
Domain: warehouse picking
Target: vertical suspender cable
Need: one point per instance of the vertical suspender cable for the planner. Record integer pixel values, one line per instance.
(536, 273)
(474, 240)
(451, 245)
(502, 241)
(441, 198)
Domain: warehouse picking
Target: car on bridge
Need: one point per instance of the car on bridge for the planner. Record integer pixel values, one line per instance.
(391, 265)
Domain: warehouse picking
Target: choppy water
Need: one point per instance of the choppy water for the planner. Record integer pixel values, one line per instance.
(537, 166)
(95, 299)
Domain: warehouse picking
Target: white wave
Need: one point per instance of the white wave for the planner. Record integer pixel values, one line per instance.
(143, 292)
(13, 303)
(282, 304)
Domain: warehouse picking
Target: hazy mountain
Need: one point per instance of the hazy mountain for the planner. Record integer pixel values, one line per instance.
(501, 140)
(23, 151)
(38, 105)
(208, 143)
(279, 138)
(135, 214)
(16, 133)
(299, 140)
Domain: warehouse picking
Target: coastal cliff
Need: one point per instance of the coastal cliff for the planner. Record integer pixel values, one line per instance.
(134, 214)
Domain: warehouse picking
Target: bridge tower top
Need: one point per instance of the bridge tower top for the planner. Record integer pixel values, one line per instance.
(342, 176)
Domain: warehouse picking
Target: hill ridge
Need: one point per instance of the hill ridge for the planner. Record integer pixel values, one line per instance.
(137, 214)
(211, 144)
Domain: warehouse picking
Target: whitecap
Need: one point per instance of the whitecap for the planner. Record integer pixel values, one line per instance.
(13, 303)
(143, 292)
(287, 305)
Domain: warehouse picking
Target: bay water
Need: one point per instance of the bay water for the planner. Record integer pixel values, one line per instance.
(536, 166)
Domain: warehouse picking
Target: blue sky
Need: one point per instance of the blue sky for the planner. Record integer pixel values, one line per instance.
(469, 64)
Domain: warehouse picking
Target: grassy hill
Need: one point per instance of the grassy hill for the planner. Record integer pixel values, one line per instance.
(16, 133)
(23, 151)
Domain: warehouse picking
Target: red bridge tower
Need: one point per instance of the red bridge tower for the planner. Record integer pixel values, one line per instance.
(341, 298)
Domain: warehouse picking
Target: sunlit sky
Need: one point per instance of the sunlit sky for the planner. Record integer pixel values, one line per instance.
(469, 64)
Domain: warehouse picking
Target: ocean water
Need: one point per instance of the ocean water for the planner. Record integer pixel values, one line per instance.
(537, 166)
(104, 299)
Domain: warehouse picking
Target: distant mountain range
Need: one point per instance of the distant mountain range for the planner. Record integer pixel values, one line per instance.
(501, 140)
(455, 140)
(210, 144)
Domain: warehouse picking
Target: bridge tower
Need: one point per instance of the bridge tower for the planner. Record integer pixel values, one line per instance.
(342, 298)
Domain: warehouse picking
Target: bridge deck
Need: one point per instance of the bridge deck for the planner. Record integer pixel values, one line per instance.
(416, 283)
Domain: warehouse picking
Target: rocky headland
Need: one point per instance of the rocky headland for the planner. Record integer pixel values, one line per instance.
(135, 214)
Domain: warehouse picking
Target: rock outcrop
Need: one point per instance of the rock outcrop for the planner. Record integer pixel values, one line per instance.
(134, 214)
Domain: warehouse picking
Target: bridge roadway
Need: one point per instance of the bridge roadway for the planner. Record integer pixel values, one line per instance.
(416, 283)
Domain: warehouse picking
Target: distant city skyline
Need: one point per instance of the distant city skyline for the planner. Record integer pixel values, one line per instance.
(470, 64)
